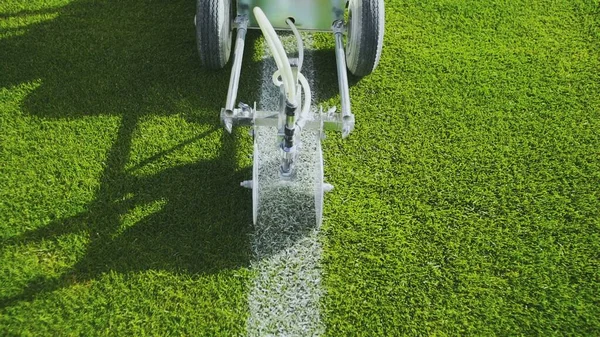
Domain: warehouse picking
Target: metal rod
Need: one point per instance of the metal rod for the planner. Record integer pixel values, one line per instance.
(236, 69)
(340, 57)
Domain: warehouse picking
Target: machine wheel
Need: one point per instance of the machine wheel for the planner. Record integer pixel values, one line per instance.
(214, 32)
(366, 19)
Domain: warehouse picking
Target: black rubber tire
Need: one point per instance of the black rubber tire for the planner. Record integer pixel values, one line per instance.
(366, 21)
(214, 32)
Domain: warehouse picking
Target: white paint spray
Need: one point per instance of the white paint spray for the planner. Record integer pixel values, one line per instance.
(285, 296)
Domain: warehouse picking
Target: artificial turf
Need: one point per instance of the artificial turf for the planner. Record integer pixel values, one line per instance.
(121, 212)
(466, 200)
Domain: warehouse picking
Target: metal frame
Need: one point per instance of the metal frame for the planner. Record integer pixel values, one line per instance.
(246, 115)
(288, 121)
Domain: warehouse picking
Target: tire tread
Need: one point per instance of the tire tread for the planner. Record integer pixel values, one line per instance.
(370, 40)
(209, 35)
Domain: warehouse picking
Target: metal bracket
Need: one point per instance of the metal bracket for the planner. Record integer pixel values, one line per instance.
(241, 21)
(246, 115)
(339, 27)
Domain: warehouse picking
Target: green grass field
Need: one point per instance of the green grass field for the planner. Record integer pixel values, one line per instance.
(467, 200)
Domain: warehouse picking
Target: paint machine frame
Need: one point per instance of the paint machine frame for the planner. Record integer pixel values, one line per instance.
(363, 31)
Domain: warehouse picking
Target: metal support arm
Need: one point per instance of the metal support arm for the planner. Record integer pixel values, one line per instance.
(340, 57)
(241, 23)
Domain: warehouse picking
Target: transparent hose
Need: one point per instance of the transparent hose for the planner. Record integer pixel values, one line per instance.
(305, 88)
(300, 44)
(279, 54)
(307, 94)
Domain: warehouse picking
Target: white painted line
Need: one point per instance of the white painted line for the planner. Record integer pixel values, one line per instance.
(285, 296)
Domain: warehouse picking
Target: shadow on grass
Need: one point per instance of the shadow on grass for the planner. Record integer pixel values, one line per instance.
(134, 59)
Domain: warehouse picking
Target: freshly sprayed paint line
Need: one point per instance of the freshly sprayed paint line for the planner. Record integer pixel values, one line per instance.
(285, 296)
